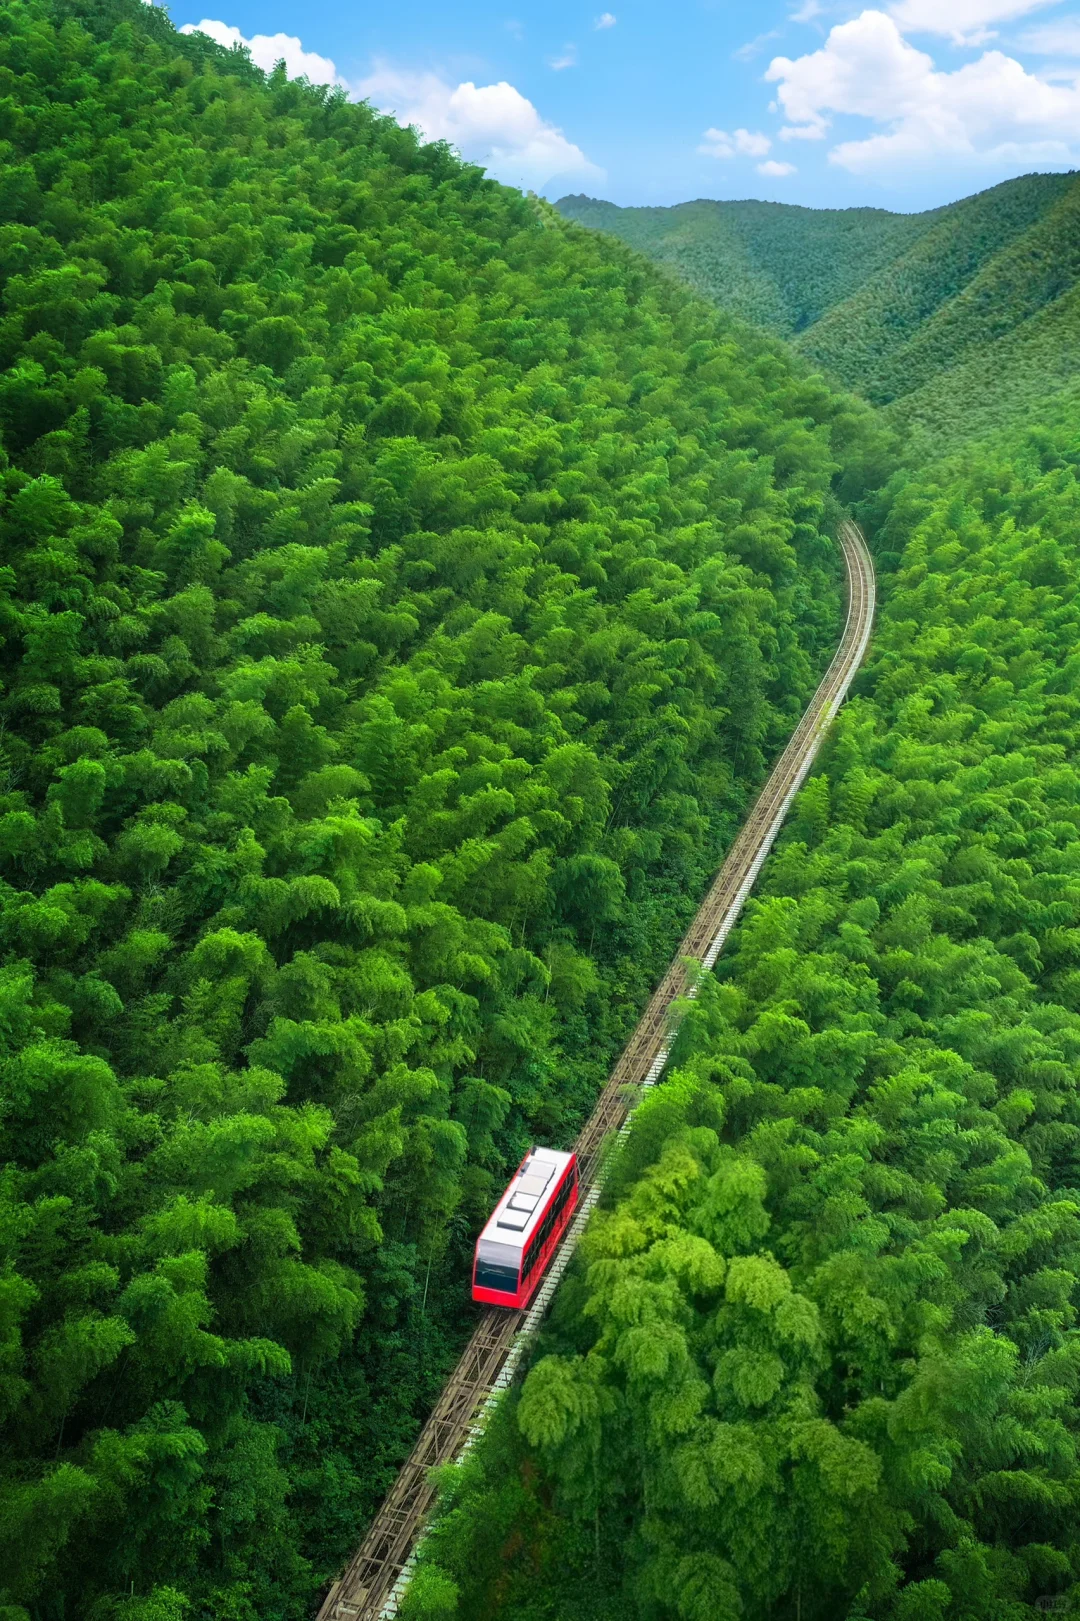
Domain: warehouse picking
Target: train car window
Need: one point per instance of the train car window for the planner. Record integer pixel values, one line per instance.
(489, 1275)
(534, 1247)
(532, 1253)
(497, 1266)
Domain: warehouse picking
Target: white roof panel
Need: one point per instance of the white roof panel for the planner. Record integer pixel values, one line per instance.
(521, 1207)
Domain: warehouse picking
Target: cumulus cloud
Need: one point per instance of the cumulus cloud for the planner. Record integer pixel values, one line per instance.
(802, 132)
(717, 143)
(775, 170)
(968, 22)
(991, 112)
(268, 49)
(751, 144)
(865, 67)
(492, 124)
(606, 19)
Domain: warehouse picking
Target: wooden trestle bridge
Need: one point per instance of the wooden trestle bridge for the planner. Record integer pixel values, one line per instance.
(372, 1584)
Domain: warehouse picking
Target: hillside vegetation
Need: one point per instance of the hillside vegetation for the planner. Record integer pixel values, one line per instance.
(399, 598)
(818, 1356)
(954, 322)
(777, 265)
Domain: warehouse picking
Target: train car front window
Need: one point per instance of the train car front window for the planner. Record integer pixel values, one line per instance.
(491, 1276)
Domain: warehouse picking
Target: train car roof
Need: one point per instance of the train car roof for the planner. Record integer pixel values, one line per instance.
(520, 1210)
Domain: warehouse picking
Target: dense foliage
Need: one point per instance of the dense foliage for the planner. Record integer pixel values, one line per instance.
(820, 1357)
(955, 322)
(399, 593)
(776, 264)
(953, 338)
(1028, 373)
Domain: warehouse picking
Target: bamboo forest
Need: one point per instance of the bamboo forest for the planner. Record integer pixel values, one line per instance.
(405, 588)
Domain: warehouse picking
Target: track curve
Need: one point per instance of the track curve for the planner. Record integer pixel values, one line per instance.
(372, 1583)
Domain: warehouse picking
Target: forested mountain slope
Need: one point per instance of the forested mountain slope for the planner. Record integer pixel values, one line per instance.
(926, 311)
(818, 1356)
(1031, 373)
(952, 296)
(399, 597)
(775, 264)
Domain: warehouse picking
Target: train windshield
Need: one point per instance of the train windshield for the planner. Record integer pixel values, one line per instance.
(489, 1275)
(497, 1266)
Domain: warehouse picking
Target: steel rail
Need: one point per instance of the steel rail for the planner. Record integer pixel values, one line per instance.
(372, 1584)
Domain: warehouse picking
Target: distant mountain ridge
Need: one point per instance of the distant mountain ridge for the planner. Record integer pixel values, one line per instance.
(960, 316)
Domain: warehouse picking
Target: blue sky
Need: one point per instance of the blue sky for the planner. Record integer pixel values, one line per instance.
(904, 105)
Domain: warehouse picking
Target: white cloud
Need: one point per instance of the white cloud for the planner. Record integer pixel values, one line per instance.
(991, 112)
(268, 49)
(1053, 39)
(606, 19)
(774, 170)
(567, 58)
(967, 21)
(864, 67)
(717, 143)
(492, 124)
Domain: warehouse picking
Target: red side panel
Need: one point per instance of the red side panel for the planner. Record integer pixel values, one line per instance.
(492, 1297)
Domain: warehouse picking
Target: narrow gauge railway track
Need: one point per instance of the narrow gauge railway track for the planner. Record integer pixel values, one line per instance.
(371, 1586)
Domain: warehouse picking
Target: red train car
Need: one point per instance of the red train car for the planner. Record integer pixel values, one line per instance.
(524, 1229)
